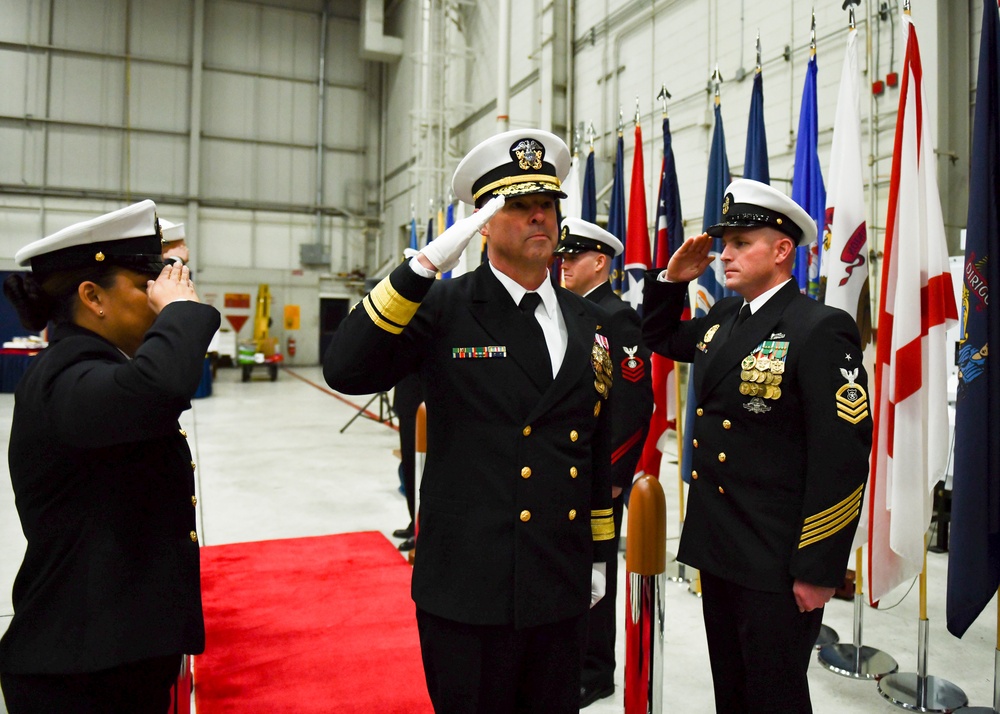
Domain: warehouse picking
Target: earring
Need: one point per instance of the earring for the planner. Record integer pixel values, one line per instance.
(101, 313)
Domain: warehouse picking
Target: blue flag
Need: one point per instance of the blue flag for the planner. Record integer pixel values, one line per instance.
(413, 234)
(807, 183)
(669, 226)
(589, 202)
(755, 164)
(711, 284)
(974, 552)
(616, 215)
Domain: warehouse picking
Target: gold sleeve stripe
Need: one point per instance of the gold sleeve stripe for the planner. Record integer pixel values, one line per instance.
(602, 528)
(837, 525)
(377, 319)
(393, 307)
(856, 496)
(809, 529)
(601, 513)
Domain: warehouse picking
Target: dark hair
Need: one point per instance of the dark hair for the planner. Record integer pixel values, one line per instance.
(53, 298)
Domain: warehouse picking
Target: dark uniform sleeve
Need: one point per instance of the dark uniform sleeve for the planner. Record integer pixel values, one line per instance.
(839, 438)
(143, 395)
(370, 351)
(631, 399)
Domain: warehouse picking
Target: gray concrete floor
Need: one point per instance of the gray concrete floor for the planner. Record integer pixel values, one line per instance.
(272, 464)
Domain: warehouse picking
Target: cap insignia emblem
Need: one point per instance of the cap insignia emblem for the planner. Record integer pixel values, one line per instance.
(99, 257)
(159, 228)
(564, 233)
(725, 204)
(529, 154)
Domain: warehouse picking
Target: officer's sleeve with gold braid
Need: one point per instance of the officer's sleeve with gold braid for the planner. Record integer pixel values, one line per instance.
(381, 339)
(602, 525)
(838, 426)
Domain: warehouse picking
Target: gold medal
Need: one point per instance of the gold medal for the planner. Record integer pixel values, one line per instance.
(753, 375)
(745, 375)
(760, 377)
(778, 366)
(768, 378)
(768, 392)
(763, 362)
(777, 393)
(599, 386)
(748, 362)
(745, 388)
(777, 380)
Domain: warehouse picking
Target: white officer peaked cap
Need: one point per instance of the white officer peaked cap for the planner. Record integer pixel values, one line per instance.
(514, 163)
(129, 237)
(752, 204)
(171, 231)
(579, 236)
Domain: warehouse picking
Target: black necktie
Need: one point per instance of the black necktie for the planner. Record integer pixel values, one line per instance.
(742, 317)
(541, 364)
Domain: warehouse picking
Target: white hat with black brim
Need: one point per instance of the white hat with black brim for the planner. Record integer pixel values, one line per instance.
(752, 204)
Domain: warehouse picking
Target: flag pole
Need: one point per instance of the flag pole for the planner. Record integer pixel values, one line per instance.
(919, 690)
(856, 660)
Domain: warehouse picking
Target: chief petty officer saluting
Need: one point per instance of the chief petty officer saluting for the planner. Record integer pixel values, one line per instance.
(515, 520)
(108, 597)
(781, 443)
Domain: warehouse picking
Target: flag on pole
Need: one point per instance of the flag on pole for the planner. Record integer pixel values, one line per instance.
(588, 203)
(974, 552)
(413, 233)
(755, 164)
(616, 214)
(711, 285)
(636, 252)
(916, 306)
(844, 281)
(572, 205)
(669, 236)
(807, 182)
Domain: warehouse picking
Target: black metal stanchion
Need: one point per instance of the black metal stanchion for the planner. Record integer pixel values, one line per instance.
(385, 412)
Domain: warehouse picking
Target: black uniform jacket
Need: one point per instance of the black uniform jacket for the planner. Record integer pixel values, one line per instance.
(779, 465)
(515, 497)
(104, 487)
(633, 394)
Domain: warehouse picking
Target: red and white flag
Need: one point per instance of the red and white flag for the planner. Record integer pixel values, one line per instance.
(844, 282)
(916, 306)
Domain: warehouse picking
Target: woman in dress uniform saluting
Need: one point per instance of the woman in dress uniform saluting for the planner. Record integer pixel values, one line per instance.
(107, 599)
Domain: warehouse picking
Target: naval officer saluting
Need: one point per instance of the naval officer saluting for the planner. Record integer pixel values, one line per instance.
(782, 435)
(515, 523)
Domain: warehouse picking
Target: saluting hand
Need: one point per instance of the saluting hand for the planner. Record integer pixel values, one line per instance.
(690, 260)
(443, 252)
(172, 284)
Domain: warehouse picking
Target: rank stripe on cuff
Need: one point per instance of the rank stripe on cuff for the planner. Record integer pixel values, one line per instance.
(602, 528)
(837, 525)
(826, 523)
(388, 309)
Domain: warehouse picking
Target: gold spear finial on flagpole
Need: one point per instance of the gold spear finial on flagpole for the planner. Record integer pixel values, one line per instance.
(637, 110)
(812, 35)
(621, 120)
(663, 96)
(758, 51)
(906, 7)
(717, 78)
(576, 141)
(591, 135)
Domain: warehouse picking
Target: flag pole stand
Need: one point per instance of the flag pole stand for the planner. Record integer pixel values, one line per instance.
(827, 636)
(996, 678)
(919, 691)
(856, 660)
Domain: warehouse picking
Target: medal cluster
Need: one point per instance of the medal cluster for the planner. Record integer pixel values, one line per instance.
(601, 362)
(763, 370)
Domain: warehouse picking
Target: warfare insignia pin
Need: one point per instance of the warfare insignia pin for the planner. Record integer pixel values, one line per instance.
(757, 406)
(528, 153)
(710, 334)
(777, 335)
(852, 402)
(633, 368)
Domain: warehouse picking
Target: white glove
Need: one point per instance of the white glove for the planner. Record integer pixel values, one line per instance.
(598, 582)
(410, 252)
(444, 251)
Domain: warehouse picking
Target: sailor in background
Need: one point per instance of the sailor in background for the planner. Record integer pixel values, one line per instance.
(108, 596)
(782, 435)
(586, 251)
(175, 248)
(515, 522)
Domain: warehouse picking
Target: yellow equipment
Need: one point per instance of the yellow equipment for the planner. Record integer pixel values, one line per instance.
(265, 347)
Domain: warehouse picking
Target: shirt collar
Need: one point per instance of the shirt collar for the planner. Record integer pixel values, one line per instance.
(758, 302)
(517, 291)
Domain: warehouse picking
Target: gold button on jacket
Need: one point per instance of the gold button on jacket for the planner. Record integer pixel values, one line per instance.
(525, 472)
(726, 424)
(194, 500)
(573, 436)
(722, 458)
(573, 472)
(525, 516)
(572, 514)
(526, 431)
(194, 537)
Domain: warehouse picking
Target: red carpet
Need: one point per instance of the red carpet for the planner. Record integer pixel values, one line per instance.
(309, 625)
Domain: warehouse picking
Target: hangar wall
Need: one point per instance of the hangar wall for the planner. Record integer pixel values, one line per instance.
(215, 109)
